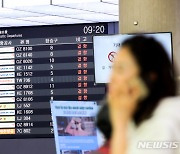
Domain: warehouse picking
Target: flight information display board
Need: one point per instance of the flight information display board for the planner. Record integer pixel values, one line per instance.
(43, 63)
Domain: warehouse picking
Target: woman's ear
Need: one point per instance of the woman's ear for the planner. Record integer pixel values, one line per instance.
(150, 79)
(153, 76)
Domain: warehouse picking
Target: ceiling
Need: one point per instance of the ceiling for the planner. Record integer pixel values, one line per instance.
(47, 12)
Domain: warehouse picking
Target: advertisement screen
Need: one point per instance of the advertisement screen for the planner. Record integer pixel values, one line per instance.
(106, 47)
(75, 126)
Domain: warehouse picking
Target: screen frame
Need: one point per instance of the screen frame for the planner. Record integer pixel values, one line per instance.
(138, 34)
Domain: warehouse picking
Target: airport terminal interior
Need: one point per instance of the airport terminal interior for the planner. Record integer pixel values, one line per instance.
(56, 57)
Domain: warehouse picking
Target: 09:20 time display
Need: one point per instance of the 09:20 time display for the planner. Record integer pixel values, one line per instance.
(94, 29)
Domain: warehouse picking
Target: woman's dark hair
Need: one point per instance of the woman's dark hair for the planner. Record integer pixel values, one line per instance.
(156, 72)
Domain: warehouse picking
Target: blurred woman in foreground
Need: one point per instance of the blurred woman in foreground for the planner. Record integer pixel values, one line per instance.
(141, 115)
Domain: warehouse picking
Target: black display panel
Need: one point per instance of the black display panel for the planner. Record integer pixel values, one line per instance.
(40, 63)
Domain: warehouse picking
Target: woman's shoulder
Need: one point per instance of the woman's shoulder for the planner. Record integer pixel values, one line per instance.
(166, 114)
(164, 125)
(168, 108)
(165, 121)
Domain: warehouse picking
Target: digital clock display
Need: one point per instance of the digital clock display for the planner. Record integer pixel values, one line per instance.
(98, 29)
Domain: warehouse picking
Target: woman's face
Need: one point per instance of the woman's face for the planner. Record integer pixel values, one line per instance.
(125, 69)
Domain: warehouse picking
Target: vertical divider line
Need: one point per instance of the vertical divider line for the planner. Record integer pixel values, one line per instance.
(2, 3)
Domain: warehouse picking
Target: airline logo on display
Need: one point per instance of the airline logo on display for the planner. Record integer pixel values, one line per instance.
(7, 75)
(7, 68)
(7, 81)
(7, 49)
(7, 125)
(7, 131)
(7, 87)
(7, 93)
(7, 106)
(7, 112)
(7, 56)
(7, 62)
(7, 99)
(7, 118)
